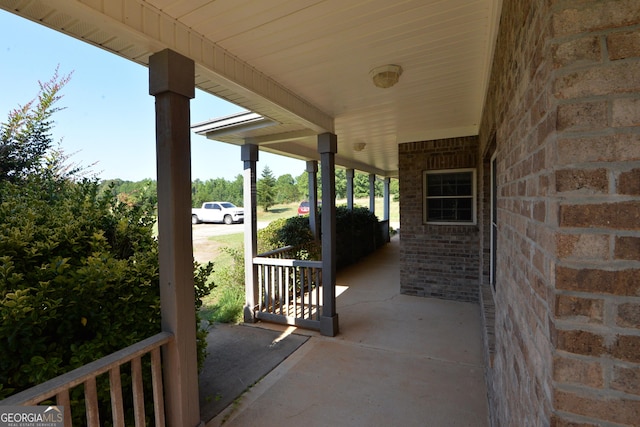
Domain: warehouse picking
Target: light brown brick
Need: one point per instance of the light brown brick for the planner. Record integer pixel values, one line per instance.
(568, 370)
(622, 282)
(583, 180)
(627, 347)
(619, 216)
(570, 306)
(628, 315)
(581, 342)
(616, 410)
(581, 51)
(629, 183)
(624, 45)
(590, 15)
(625, 112)
(582, 116)
(626, 379)
(604, 148)
(582, 246)
(621, 77)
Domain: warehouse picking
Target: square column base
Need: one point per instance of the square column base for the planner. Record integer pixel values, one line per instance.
(329, 326)
(249, 315)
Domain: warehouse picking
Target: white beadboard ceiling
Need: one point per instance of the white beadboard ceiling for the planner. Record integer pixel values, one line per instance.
(304, 64)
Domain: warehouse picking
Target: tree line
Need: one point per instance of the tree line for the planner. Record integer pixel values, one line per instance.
(270, 190)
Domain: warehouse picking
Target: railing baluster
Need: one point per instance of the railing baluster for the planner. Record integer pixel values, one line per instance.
(138, 392)
(295, 292)
(287, 298)
(115, 386)
(281, 288)
(91, 402)
(156, 379)
(261, 287)
(62, 399)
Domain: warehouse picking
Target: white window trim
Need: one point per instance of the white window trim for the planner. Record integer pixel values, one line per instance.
(473, 202)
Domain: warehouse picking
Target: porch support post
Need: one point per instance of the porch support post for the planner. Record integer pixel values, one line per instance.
(249, 155)
(386, 203)
(387, 209)
(372, 193)
(328, 147)
(172, 83)
(312, 175)
(350, 176)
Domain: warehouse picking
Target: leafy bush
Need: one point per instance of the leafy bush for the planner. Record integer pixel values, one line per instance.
(293, 231)
(358, 234)
(229, 293)
(78, 279)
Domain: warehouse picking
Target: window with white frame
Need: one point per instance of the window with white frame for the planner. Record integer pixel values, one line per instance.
(450, 196)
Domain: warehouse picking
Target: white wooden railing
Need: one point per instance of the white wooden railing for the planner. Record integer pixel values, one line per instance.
(58, 388)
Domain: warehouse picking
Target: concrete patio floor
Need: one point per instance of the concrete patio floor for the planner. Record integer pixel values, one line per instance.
(398, 361)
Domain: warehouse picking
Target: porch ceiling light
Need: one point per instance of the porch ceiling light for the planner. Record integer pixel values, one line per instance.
(359, 146)
(386, 75)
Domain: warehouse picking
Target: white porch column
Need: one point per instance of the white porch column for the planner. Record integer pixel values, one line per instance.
(328, 147)
(249, 155)
(312, 176)
(350, 176)
(372, 193)
(172, 82)
(387, 199)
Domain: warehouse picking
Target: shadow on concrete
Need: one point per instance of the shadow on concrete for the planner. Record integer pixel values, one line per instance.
(238, 357)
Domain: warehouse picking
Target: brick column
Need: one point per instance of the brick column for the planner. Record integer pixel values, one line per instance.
(171, 81)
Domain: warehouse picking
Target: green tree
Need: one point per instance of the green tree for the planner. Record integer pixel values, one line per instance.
(286, 189)
(25, 137)
(266, 191)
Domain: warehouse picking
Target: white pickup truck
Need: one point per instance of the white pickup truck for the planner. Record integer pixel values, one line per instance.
(225, 212)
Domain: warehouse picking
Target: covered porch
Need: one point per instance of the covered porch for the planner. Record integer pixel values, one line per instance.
(399, 360)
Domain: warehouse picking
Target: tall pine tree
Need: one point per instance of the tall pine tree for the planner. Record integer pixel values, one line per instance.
(266, 189)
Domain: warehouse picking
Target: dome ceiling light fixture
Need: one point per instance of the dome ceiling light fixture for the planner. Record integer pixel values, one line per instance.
(359, 146)
(386, 76)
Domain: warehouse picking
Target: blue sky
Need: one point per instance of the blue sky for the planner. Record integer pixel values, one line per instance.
(109, 115)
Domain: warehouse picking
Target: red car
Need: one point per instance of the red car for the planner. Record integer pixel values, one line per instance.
(303, 209)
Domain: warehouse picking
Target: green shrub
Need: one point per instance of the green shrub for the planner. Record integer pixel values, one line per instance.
(229, 295)
(293, 231)
(78, 279)
(358, 234)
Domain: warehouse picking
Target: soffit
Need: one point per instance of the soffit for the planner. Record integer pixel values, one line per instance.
(304, 64)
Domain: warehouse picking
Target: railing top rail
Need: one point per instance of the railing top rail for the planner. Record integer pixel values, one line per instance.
(71, 379)
(287, 262)
(276, 251)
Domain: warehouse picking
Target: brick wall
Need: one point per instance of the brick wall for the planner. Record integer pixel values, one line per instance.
(596, 57)
(436, 260)
(564, 105)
